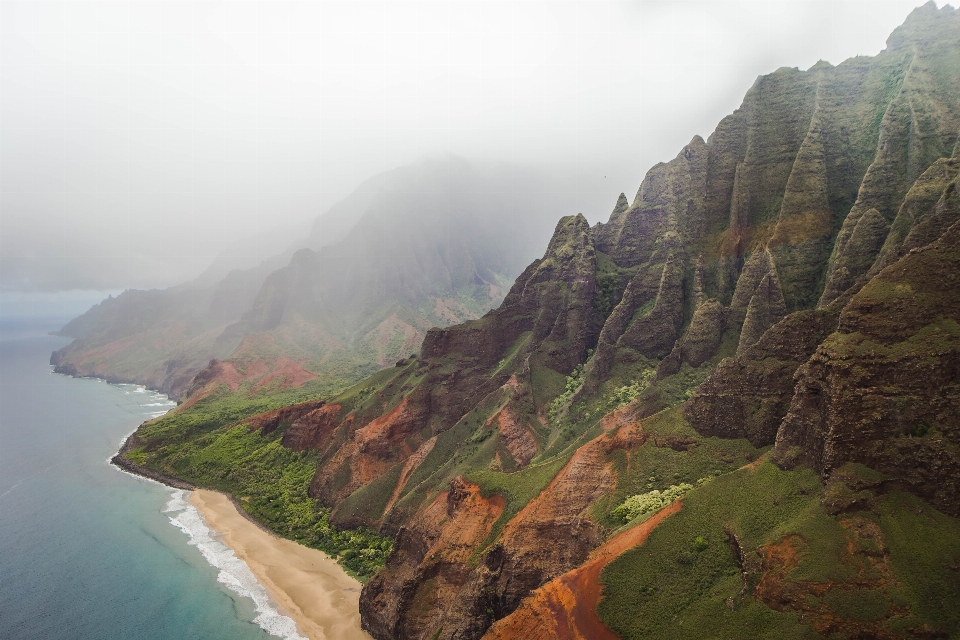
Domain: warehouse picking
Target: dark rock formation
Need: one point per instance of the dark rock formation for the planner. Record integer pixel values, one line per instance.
(884, 390)
(748, 396)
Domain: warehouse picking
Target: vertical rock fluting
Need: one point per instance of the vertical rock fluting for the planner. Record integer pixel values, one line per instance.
(727, 244)
(884, 390)
(748, 396)
(766, 308)
(919, 126)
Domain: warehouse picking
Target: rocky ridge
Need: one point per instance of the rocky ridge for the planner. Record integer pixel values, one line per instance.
(788, 283)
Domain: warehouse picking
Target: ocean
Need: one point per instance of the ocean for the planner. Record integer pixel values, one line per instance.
(89, 551)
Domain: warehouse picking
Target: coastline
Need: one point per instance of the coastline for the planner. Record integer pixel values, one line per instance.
(310, 586)
(120, 461)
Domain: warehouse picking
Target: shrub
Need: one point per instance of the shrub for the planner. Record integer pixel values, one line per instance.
(637, 505)
(572, 384)
(625, 394)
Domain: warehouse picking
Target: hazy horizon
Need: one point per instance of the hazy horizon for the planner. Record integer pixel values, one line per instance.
(139, 139)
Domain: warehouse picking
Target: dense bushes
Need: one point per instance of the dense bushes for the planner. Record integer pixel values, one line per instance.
(208, 445)
(640, 504)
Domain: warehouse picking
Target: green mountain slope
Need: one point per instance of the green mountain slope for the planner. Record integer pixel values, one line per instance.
(764, 339)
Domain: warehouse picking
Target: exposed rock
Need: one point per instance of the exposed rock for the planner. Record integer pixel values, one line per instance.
(653, 334)
(700, 342)
(372, 449)
(748, 396)
(924, 196)
(884, 390)
(766, 308)
(411, 596)
(859, 253)
(550, 536)
(758, 266)
(517, 438)
(313, 429)
(565, 607)
(270, 421)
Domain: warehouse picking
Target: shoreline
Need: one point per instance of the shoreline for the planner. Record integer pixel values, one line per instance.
(120, 461)
(310, 587)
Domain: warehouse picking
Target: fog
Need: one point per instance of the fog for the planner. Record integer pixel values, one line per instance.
(138, 139)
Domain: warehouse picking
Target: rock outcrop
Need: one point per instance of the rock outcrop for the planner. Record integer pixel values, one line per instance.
(884, 390)
(748, 396)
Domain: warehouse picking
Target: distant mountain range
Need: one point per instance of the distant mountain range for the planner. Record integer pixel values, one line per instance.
(426, 245)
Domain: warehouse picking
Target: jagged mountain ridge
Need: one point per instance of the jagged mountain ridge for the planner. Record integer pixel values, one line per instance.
(763, 289)
(718, 247)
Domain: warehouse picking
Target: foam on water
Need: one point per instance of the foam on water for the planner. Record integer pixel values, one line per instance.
(234, 572)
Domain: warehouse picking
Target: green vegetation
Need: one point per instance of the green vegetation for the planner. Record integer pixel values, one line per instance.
(706, 571)
(570, 387)
(625, 394)
(208, 445)
(923, 549)
(644, 503)
(675, 584)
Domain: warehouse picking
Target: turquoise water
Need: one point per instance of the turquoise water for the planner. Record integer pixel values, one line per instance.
(87, 551)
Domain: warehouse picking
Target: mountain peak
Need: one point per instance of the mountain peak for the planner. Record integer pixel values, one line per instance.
(924, 25)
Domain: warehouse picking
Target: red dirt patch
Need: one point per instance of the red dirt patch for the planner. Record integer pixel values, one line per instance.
(313, 429)
(378, 441)
(463, 518)
(566, 607)
(778, 591)
(269, 421)
(515, 437)
(408, 468)
(285, 373)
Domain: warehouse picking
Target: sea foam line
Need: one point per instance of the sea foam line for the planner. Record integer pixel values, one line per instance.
(234, 572)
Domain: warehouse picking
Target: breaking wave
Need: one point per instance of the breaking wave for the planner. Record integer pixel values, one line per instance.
(234, 572)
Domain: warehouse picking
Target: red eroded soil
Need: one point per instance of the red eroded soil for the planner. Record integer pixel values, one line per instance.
(566, 607)
(460, 518)
(515, 436)
(286, 373)
(376, 442)
(269, 421)
(314, 429)
(408, 468)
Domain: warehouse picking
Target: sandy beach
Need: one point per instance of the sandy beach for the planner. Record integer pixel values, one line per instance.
(306, 583)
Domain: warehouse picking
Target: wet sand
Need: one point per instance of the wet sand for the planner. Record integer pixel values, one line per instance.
(310, 587)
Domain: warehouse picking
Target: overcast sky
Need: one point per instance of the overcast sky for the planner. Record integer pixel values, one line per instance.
(138, 138)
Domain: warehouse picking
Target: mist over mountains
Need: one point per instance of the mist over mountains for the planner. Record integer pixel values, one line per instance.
(426, 245)
(731, 408)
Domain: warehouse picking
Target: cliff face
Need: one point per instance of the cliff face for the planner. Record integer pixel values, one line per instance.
(791, 281)
(486, 457)
(884, 390)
